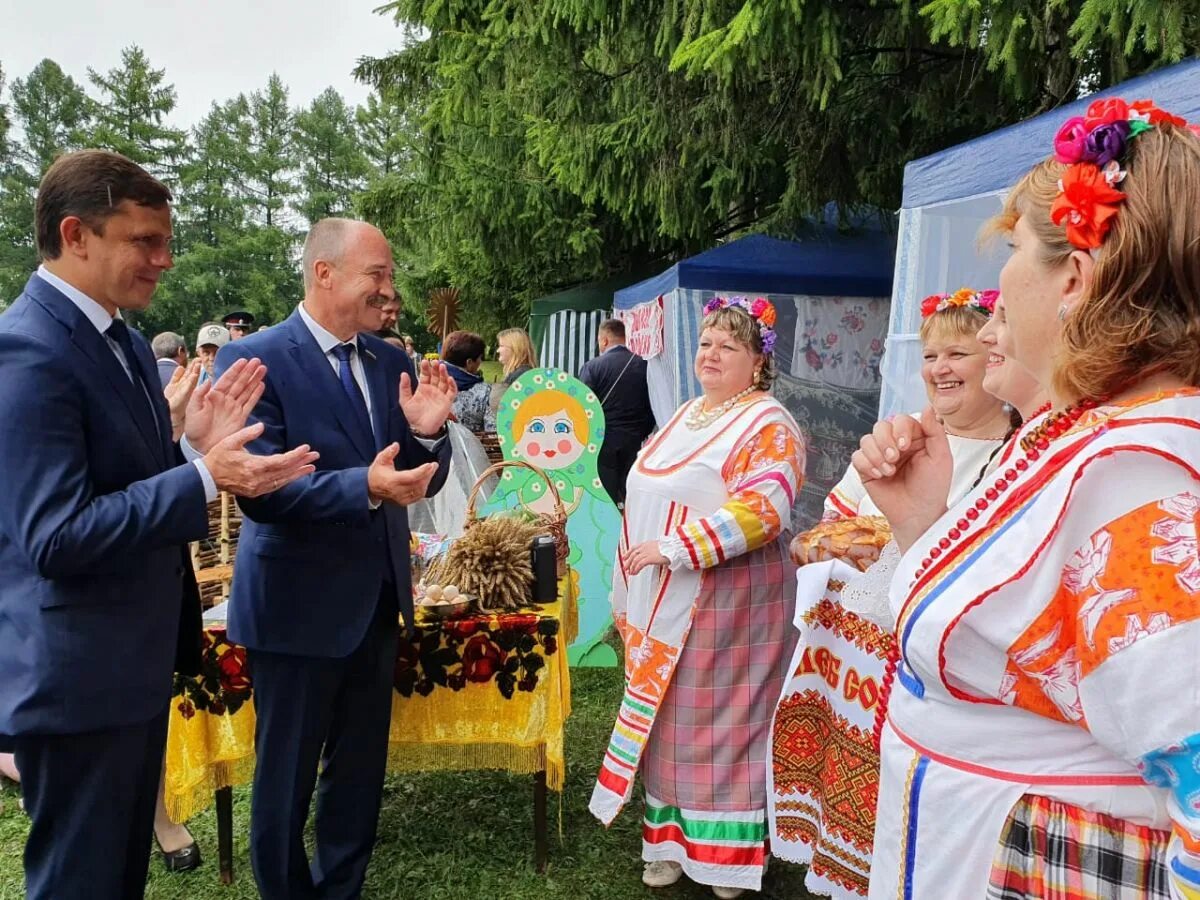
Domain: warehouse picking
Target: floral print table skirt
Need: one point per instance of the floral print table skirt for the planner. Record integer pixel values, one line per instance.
(481, 692)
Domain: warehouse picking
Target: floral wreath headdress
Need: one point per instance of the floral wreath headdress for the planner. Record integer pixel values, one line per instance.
(1093, 147)
(981, 301)
(759, 309)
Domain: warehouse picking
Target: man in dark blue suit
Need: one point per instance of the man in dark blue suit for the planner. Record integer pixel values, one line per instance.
(323, 566)
(98, 603)
(618, 377)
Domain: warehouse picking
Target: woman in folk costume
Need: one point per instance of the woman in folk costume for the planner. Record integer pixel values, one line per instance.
(703, 597)
(825, 761)
(1043, 735)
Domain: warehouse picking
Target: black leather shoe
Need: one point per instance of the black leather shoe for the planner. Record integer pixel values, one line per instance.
(183, 860)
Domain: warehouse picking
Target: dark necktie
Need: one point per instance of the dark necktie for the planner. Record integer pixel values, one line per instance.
(354, 393)
(119, 332)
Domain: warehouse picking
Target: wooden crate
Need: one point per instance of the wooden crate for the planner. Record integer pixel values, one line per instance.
(212, 558)
(491, 446)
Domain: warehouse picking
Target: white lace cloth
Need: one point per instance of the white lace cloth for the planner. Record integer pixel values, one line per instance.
(866, 593)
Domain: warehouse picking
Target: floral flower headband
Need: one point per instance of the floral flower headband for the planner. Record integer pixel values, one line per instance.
(981, 301)
(1093, 146)
(759, 309)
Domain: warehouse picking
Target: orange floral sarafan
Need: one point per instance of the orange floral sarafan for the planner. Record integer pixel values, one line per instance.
(1086, 205)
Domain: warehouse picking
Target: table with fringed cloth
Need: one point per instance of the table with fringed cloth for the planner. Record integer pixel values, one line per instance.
(487, 691)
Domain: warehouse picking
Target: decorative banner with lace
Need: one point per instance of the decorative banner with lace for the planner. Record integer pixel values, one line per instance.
(823, 775)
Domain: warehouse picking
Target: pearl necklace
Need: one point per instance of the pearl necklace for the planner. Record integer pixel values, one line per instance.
(1055, 426)
(698, 417)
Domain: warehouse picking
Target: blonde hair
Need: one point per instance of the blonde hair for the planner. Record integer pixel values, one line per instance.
(1141, 313)
(516, 340)
(739, 323)
(952, 323)
(546, 403)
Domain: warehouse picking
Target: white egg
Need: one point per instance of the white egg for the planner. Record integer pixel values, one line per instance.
(450, 591)
(434, 592)
(443, 603)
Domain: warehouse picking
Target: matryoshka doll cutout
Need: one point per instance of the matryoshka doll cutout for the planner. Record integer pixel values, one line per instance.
(554, 421)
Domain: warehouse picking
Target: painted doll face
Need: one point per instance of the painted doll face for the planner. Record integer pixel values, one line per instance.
(550, 441)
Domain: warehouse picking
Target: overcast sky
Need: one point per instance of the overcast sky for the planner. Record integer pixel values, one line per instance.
(211, 49)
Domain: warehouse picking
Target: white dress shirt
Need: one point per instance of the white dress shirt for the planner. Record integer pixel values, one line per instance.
(99, 317)
(327, 341)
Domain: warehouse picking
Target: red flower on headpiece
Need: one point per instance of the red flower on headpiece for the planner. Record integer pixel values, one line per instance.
(1086, 205)
(930, 305)
(1154, 115)
(1105, 111)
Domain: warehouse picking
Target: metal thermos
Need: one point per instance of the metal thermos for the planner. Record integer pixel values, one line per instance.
(545, 569)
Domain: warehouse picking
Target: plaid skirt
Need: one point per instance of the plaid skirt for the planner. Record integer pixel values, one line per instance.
(710, 740)
(1051, 850)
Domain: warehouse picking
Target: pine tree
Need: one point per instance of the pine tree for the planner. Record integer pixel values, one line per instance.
(384, 133)
(5, 124)
(212, 201)
(253, 268)
(573, 138)
(131, 112)
(333, 166)
(273, 161)
(50, 108)
(53, 111)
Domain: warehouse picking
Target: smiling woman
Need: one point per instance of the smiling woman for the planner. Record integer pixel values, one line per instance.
(953, 366)
(846, 613)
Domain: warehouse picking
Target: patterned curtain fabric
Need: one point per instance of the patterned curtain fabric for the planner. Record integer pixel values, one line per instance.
(828, 366)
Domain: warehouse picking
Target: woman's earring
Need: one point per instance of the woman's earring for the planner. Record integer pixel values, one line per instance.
(1062, 312)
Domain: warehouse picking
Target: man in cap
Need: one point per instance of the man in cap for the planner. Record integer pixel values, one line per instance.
(212, 337)
(239, 323)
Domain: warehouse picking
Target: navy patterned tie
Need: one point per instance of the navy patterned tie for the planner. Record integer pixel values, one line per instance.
(354, 393)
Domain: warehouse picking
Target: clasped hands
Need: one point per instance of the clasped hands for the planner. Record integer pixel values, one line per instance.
(426, 410)
(214, 423)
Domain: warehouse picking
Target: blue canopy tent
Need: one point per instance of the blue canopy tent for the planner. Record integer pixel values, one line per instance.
(830, 292)
(949, 195)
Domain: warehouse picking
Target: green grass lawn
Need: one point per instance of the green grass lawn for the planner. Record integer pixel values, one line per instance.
(457, 835)
(492, 370)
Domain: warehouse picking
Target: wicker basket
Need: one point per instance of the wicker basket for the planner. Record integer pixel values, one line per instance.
(212, 558)
(555, 524)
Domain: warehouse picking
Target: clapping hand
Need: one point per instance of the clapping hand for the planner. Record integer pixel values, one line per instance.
(237, 470)
(402, 487)
(220, 408)
(179, 394)
(216, 426)
(428, 407)
(906, 467)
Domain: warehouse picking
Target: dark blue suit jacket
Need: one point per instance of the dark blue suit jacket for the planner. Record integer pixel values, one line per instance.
(312, 556)
(628, 418)
(94, 515)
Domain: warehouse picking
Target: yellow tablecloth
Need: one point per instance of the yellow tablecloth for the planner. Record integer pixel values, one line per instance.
(483, 692)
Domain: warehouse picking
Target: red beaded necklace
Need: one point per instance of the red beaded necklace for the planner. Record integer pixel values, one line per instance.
(1034, 444)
